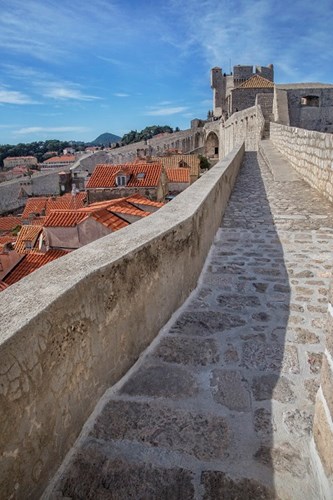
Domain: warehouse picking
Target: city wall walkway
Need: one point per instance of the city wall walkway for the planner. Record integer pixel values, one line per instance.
(221, 404)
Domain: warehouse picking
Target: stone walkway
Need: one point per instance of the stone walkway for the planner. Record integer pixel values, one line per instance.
(221, 405)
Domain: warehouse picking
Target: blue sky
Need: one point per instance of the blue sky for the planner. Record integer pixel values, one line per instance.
(73, 69)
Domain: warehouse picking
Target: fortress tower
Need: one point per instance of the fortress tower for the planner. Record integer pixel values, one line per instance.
(222, 84)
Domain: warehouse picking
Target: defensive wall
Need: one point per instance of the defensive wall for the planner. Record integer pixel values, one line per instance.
(309, 152)
(247, 125)
(95, 311)
(41, 184)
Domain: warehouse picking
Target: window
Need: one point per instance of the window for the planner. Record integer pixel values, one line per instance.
(28, 244)
(121, 180)
(310, 100)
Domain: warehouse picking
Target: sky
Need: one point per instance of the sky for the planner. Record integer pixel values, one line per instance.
(73, 69)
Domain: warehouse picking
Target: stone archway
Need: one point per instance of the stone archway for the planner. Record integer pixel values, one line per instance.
(212, 145)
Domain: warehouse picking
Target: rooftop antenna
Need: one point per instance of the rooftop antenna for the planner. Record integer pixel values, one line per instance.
(74, 193)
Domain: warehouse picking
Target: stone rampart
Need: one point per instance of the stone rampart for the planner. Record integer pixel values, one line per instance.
(41, 184)
(76, 326)
(323, 419)
(247, 125)
(309, 152)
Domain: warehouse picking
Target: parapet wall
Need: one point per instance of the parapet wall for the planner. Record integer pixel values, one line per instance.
(76, 326)
(322, 455)
(247, 125)
(309, 152)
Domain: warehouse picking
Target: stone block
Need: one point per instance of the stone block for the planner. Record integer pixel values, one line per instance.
(93, 475)
(323, 437)
(188, 351)
(220, 486)
(202, 435)
(161, 381)
(230, 389)
(327, 384)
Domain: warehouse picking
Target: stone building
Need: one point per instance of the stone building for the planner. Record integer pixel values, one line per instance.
(223, 84)
(15, 161)
(304, 105)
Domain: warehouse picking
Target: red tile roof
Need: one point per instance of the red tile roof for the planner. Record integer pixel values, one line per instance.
(256, 82)
(29, 264)
(27, 234)
(7, 239)
(67, 201)
(104, 176)
(142, 200)
(10, 222)
(34, 206)
(3, 286)
(64, 218)
(178, 175)
(109, 219)
(61, 159)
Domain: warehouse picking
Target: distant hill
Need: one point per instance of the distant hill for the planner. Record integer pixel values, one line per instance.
(105, 139)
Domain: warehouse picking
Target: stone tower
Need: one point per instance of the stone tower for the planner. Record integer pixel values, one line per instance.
(222, 84)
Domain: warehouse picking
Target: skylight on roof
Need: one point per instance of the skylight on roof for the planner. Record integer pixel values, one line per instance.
(140, 175)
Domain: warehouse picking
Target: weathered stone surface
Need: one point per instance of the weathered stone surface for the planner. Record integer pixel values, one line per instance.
(284, 459)
(263, 423)
(237, 302)
(327, 384)
(298, 422)
(315, 361)
(94, 476)
(272, 356)
(273, 387)
(202, 435)
(311, 386)
(161, 381)
(206, 323)
(323, 437)
(188, 351)
(304, 336)
(220, 486)
(230, 389)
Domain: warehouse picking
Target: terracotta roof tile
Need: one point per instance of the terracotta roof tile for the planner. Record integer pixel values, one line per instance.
(129, 210)
(7, 239)
(3, 286)
(104, 176)
(178, 174)
(43, 204)
(256, 82)
(9, 222)
(64, 218)
(34, 206)
(61, 159)
(66, 202)
(175, 161)
(109, 219)
(31, 262)
(142, 200)
(27, 234)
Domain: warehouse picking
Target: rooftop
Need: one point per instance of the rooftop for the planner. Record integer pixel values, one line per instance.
(140, 175)
(256, 82)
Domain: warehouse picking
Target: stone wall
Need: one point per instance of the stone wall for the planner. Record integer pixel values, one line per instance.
(323, 419)
(318, 117)
(309, 152)
(247, 125)
(42, 184)
(95, 311)
(243, 98)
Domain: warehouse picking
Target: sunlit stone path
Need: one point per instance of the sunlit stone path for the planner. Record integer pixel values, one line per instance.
(221, 405)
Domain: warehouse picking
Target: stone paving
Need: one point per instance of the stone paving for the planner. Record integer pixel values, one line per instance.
(221, 404)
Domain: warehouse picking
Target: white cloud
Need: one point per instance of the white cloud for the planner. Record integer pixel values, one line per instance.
(14, 97)
(63, 94)
(121, 94)
(33, 130)
(166, 111)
